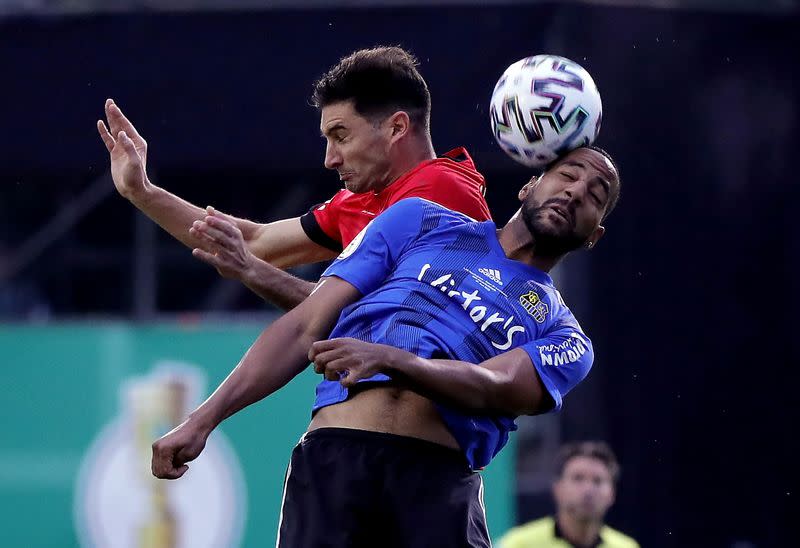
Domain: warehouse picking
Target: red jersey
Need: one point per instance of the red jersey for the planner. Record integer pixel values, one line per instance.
(450, 180)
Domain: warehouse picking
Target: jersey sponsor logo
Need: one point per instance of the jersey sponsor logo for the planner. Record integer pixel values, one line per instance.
(354, 243)
(569, 351)
(492, 274)
(534, 306)
(470, 302)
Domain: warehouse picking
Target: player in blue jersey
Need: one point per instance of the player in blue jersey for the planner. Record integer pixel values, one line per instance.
(433, 332)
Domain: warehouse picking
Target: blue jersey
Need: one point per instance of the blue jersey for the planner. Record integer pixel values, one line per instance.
(438, 284)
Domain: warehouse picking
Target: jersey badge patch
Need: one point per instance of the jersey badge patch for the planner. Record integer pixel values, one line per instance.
(534, 306)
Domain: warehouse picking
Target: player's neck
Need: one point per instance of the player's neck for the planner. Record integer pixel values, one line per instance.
(518, 245)
(411, 152)
(578, 533)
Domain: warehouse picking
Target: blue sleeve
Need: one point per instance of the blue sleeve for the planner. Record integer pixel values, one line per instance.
(562, 359)
(372, 255)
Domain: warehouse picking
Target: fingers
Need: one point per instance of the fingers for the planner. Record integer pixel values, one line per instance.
(337, 370)
(220, 222)
(317, 351)
(329, 344)
(107, 138)
(207, 257)
(202, 229)
(128, 146)
(163, 464)
(223, 240)
(217, 239)
(118, 122)
(211, 211)
(218, 227)
(349, 380)
(322, 359)
(171, 474)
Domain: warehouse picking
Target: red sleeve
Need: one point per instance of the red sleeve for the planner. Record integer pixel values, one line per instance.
(450, 189)
(321, 223)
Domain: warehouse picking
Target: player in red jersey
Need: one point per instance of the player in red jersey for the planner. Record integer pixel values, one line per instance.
(375, 116)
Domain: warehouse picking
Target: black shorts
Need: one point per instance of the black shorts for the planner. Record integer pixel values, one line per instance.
(354, 488)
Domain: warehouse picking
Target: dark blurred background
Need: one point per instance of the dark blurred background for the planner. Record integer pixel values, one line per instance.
(690, 298)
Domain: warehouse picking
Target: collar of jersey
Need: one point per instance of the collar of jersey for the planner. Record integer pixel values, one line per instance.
(533, 272)
(452, 155)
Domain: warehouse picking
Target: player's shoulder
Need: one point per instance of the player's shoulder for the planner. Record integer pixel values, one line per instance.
(422, 207)
(458, 157)
(457, 171)
(533, 533)
(560, 311)
(454, 169)
(347, 199)
(616, 539)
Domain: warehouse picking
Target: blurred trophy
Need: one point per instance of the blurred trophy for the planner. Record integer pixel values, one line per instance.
(159, 405)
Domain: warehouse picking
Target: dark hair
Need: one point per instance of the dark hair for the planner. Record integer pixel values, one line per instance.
(593, 449)
(380, 81)
(614, 197)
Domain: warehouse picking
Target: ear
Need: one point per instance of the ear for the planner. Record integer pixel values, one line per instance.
(592, 240)
(399, 125)
(523, 192)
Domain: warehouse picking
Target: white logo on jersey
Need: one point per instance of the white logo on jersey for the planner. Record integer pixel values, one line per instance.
(477, 312)
(492, 274)
(568, 351)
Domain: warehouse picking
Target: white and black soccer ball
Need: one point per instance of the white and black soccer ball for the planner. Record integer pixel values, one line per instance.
(544, 106)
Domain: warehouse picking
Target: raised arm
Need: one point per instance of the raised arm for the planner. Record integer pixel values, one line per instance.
(277, 356)
(241, 256)
(128, 151)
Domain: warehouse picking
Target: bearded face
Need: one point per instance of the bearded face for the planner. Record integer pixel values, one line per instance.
(552, 225)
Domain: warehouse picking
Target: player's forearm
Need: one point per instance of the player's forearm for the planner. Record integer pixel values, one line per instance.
(461, 384)
(170, 212)
(176, 215)
(275, 358)
(276, 286)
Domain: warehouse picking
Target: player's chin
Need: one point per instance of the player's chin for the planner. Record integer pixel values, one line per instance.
(557, 229)
(355, 186)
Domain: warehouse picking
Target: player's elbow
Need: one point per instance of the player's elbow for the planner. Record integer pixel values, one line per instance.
(505, 396)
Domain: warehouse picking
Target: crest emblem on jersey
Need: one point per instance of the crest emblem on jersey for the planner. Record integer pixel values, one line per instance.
(534, 306)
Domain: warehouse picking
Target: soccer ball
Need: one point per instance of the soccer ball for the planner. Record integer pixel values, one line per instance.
(544, 106)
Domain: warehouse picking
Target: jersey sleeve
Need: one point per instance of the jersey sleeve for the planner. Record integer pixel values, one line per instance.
(321, 223)
(372, 255)
(562, 359)
(451, 190)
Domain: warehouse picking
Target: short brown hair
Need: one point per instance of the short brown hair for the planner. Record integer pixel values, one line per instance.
(380, 81)
(599, 450)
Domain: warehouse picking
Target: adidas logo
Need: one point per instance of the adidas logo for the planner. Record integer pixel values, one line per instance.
(492, 274)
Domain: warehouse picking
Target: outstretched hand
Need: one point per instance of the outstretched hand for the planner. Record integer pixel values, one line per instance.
(173, 450)
(222, 245)
(128, 151)
(349, 360)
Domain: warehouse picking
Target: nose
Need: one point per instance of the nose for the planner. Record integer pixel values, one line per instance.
(333, 159)
(576, 190)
